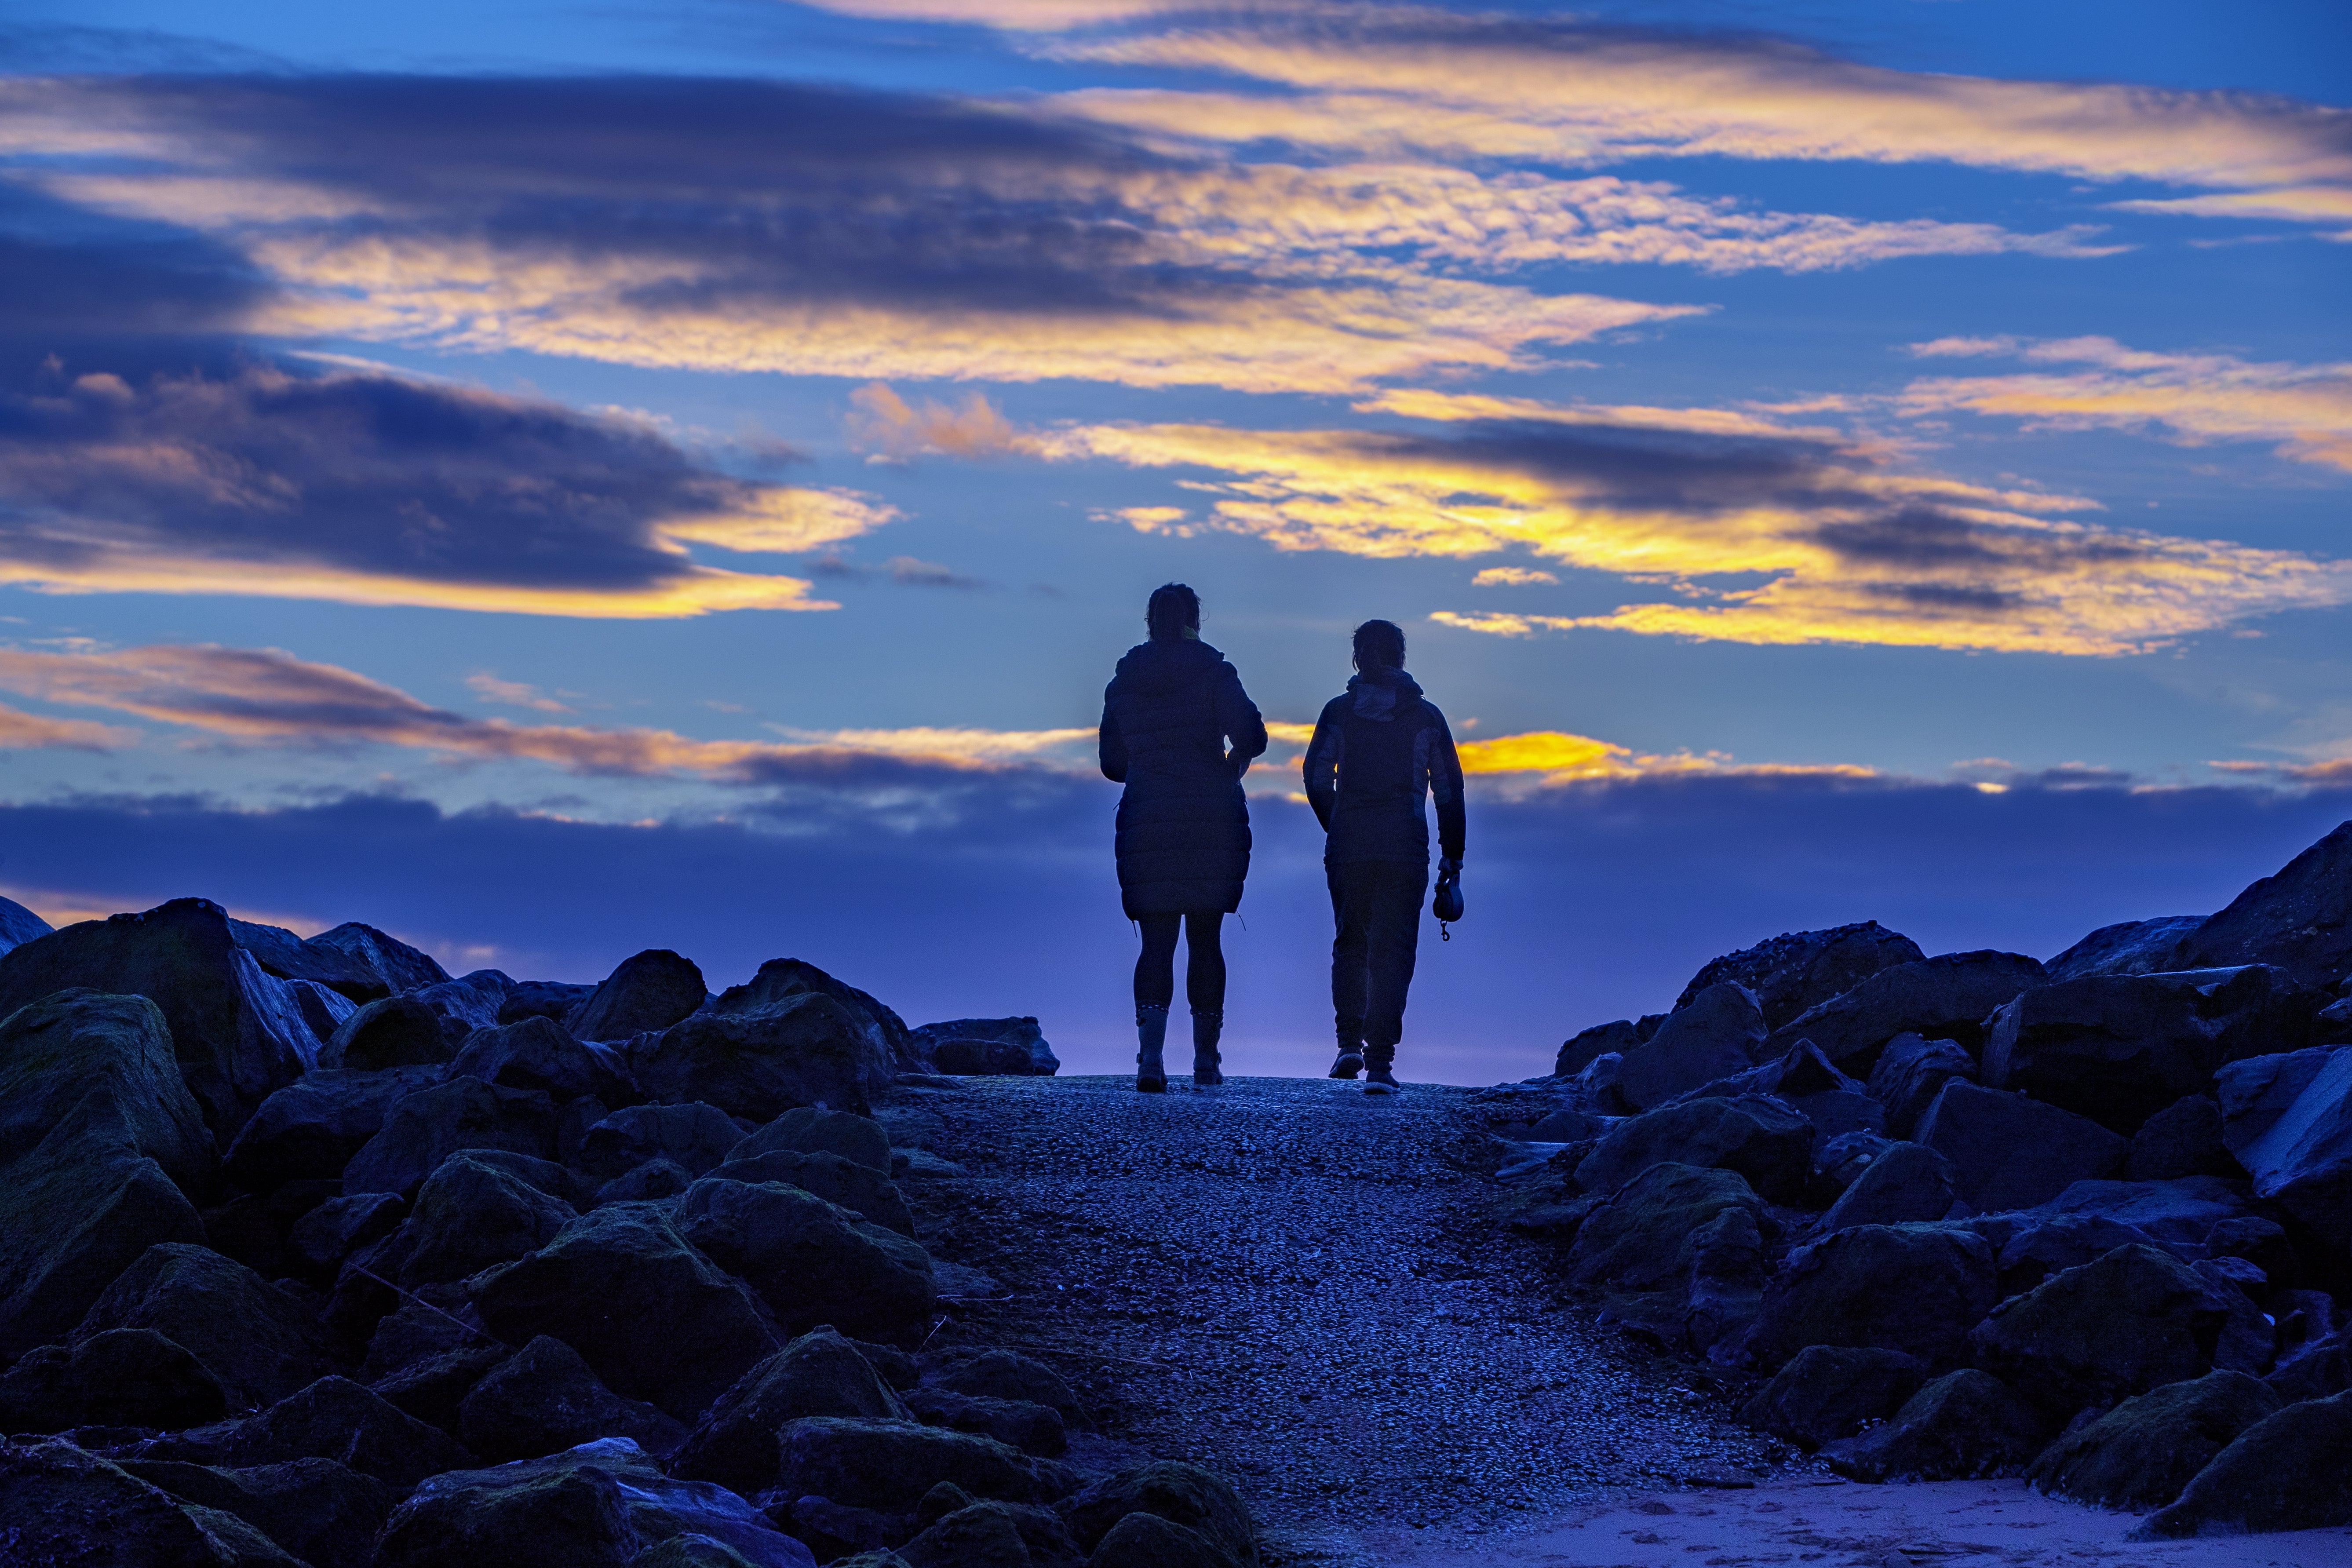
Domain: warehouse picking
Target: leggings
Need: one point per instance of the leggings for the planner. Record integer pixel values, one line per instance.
(1204, 968)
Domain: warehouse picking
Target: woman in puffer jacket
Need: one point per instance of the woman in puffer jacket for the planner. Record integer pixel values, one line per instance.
(1183, 824)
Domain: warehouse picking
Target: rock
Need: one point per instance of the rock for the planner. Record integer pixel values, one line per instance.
(1916, 1289)
(434, 1388)
(694, 1136)
(1181, 1494)
(1840, 1161)
(552, 999)
(311, 1128)
(390, 1032)
(1578, 1050)
(2119, 1048)
(2333, 1023)
(396, 965)
(253, 1229)
(2180, 1213)
(2133, 947)
(656, 1179)
(810, 1131)
(996, 1373)
(2255, 1091)
(2132, 1320)
(1799, 970)
(1909, 1074)
(260, 1342)
(1944, 998)
(806, 1050)
(1829, 1392)
(1566, 1126)
(2184, 1139)
(61, 1506)
(652, 990)
(2011, 1152)
(1762, 1139)
(338, 1227)
(889, 1465)
(819, 1373)
(1834, 1103)
(468, 1002)
(811, 1261)
(1651, 1231)
(1908, 1184)
(2143, 1452)
(325, 1513)
(781, 978)
(533, 1052)
(235, 1030)
(2315, 1370)
(835, 1531)
(544, 1399)
(19, 925)
(980, 1536)
(136, 1377)
(873, 1195)
(2303, 1161)
(1716, 1034)
(335, 1418)
(100, 1145)
(2300, 919)
(423, 1128)
(470, 1215)
(1033, 1428)
(322, 1007)
(600, 1286)
(2286, 1471)
(1147, 1540)
(1964, 1425)
(1015, 1046)
(280, 952)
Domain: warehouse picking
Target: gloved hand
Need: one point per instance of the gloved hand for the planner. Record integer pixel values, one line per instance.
(1448, 869)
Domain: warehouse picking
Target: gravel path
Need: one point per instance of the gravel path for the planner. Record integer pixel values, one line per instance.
(1288, 1281)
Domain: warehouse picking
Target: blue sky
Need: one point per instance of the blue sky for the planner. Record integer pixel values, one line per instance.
(1832, 461)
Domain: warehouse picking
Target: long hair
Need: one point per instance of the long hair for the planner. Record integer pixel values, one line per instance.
(1379, 644)
(1175, 609)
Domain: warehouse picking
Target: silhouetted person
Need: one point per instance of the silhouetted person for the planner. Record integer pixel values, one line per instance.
(1183, 823)
(1378, 751)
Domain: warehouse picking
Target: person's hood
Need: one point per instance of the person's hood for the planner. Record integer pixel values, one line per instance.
(1379, 693)
(1157, 665)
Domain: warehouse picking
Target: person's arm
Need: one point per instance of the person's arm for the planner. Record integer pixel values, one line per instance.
(1112, 745)
(1239, 720)
(1322, 767)
(1446, 787)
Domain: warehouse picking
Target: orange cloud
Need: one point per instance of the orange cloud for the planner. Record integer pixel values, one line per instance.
(884, 423)
(22, 731)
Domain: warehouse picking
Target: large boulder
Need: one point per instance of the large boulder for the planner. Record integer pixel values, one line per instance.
(1614, 1038)
(60, 1506)
(989, 1371)
(887, 1466)
(236, 1031)
(468, 1002)
(601, 1505)
(1717, 1033)
(309, 1130)
(810, 1131)
(533, 1052)
(1811, 1085)
(1944, 998)
(2120, 1047)
(335, 1418)
(1761, 1137)
(554, 1000)
(2143, 1452)
(872, 1195)
(100, 1147)
(1917, 1289)
(780, 978)
(390, 1032)
(2255, 1091)
(1906, 1184)
(2303, 1160)
(470, 1215)
(325, 1513)
(322, 1007)
(2011, 1152)
(2286, 1471)
(811, 1261)
(1651, 1231)
(2184, 1139)
(2132, 947)
(819, 1373)
(124, 1377)
(1963, 1426)
(2133, 1320)
(259, 1342)
(656, 1320)
(1009, 1047)
(807, 1050)
(693, 1136)
(1908, 1075)
(650, 990)
(423, 1128)
(281, 952)
(544, 1399)
(1176, 1493)
(1829, 1392)
(1799, 970)
(19, 925)
(396, 965)
(2300, 919)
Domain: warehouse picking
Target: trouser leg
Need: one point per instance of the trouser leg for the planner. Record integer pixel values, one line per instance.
(1392, 938)
(1350, 947)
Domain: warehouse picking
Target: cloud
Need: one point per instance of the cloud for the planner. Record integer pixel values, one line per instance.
(884, 423)
(513, 693)
(2305, 409)
(20, 730)
(1760, 536)
(1382, 78)
(375, 489)
(1511, 578)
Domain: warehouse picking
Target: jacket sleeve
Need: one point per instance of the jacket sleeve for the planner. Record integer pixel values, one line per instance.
(1239, 720)
(1112, 744)
(1322, 768)
(1446, 787)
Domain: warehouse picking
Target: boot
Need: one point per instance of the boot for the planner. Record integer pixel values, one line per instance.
(1152, 1034)
(1377, 1078)
(1351, 1056)
(1206, 1028)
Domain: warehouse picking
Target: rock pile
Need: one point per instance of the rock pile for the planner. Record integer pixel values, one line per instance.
(310, 1254)
(1973, 1215)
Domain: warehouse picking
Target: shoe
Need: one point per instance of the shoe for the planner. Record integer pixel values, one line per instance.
(1350, 1064)
(1151, 1036)
(1207, 1029)
(1381, 1081)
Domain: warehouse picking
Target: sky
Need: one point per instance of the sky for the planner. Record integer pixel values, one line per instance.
(556, 479)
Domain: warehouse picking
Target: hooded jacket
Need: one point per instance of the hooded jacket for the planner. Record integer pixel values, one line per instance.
(1379, 752)
(1183, 837)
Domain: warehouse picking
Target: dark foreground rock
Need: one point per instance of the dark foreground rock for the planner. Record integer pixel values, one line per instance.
(1182, 1495)
(2303, 1159)
(323, 1512)
(2011, 1152)
(1829, 1392)
(1962, 1427)
(2300, 919)
(335, 1418)
(1717, 1033)
(1946, 997)
(260, 1342)
(1799, 970)
(2143, 1452)
(888, 1466)
(309, 1130)
(2286, 1471)
(1765, 1141)
(652, 990)
(1015, 1046)
(811, 1261)
(61, 1506)
(819, 1373)
(423, 1128)
(1915, 1288)
(806, 1049)
(544, 1399)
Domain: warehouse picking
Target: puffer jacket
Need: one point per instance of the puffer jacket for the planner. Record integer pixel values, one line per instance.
(1380, 751)
(1183, 824)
